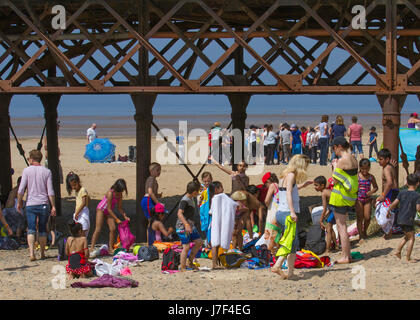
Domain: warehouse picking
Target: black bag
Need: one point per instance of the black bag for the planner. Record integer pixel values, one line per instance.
(148, 253)
(171, 259)
(61, 245)
(132, 155)
(315, 240)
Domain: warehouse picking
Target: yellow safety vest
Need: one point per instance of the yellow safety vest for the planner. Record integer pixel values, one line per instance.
(344, 192)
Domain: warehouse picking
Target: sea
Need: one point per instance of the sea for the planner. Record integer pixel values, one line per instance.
(114, 114)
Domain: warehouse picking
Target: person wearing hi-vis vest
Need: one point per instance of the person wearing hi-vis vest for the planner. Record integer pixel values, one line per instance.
(344, 194)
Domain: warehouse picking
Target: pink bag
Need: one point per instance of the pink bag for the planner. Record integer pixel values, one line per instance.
(126, 237)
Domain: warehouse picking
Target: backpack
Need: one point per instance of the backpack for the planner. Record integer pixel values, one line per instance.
(7, 243)
(148, 253)
(262, 253)
(315, 239)
(307, 259)
(61, 245)
(231, 259)
(170, 260)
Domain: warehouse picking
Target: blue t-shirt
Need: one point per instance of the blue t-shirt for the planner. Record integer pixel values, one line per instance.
(372, 136)
(296, 137)
(338, 130)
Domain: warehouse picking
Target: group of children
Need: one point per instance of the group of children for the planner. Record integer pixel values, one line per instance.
(408, 201)
(252, 205)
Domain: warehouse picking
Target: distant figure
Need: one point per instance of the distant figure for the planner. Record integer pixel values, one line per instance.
(414, 121)
(91, 133)
(355, 133)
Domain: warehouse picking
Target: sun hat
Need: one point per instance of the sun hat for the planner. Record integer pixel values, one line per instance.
(238, 196)
(266, 177)
(160, 208)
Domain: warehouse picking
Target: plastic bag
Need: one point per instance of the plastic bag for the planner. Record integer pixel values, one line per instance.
(126, 237)
(102, 268)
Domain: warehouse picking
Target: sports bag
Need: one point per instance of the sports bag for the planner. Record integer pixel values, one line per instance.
(307, 259)
(7, 243)
(315, 240)
(148, 253)
(231, 259)
(170, 260)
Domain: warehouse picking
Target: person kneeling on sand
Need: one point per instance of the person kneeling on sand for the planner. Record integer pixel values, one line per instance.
(185, 228)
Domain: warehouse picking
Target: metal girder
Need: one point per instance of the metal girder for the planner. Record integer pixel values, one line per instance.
(199, 23)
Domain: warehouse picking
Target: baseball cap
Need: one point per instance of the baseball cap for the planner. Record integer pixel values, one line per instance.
(293, 126)
(373, 128)
(160, 208)
(415, 114)
(266, 177)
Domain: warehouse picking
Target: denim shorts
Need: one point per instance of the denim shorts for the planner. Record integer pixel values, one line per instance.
(281, 222)
(358, 145)
(186, 239)
(42, 212)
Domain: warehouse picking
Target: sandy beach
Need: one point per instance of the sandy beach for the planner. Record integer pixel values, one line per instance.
(386, 276)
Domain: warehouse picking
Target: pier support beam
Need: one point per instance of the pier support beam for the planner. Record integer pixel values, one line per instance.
(50, 103)
(143, 117)
(6, 182)
(391, 119)
(239, 103)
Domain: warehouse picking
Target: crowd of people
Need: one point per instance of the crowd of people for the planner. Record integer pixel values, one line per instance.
(278, 146)
(268, 211)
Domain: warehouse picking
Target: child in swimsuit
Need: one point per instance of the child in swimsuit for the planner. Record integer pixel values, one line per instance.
(77, 251)
(105, 210)
(364, 197)
(157, 230)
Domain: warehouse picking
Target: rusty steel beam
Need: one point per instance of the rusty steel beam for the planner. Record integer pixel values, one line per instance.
(310, 33)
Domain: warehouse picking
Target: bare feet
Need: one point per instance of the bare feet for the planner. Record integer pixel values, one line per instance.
(411, 260)
(387, 236)
(32, 258)
(398, 255)
(344, 261)
(276, 270)
(217, 267)
(192, 265)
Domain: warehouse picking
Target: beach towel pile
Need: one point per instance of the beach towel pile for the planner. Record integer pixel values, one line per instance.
(107, 281)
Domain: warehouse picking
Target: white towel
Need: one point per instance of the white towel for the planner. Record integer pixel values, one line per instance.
(223, 210)
(380, 215)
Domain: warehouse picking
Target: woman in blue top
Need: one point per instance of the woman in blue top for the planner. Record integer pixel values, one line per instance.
(337, 130)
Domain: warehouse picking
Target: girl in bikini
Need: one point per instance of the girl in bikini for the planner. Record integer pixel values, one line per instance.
(105, 210)
(77, 251)
(364, 197)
